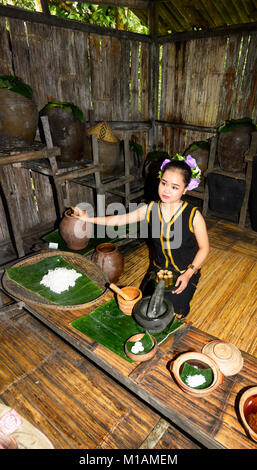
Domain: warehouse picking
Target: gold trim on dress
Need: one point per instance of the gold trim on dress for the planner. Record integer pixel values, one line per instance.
(174, 218)
(149, 211)
(193, 211)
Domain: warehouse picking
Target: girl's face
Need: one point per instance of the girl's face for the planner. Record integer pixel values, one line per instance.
(171, 186)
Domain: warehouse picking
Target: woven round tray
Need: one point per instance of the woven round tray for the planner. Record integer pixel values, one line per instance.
(86, 266)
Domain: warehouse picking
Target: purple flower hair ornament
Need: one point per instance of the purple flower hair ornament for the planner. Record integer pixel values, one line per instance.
(196, 172)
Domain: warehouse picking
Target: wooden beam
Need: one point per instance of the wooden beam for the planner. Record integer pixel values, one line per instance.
(207, 33)
(44, 6)
(138, 4)
(51, 20)
(27, 156)
(183, 125)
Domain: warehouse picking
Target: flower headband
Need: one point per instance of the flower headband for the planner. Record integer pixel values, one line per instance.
(196, 172)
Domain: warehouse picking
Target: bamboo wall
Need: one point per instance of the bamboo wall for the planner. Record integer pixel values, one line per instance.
(203, 82)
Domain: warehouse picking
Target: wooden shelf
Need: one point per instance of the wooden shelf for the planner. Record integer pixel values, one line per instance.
(246, 176)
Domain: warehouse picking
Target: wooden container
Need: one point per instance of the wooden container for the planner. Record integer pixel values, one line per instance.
(141, 357)
(247, 405)
(126, 306)
(203, 360)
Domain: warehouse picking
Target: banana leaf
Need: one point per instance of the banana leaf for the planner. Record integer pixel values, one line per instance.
(122, 232)
(146, 342)
(189, 370)
(108, 326)
(29, 277)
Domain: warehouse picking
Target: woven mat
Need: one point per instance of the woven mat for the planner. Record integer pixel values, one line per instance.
(108, 326)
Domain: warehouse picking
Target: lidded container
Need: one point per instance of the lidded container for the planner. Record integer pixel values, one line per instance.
(224, 359)
(226, 355)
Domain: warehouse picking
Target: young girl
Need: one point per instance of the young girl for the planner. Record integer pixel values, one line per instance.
(177, 231)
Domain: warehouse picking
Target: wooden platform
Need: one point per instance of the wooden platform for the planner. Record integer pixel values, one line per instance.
(77, 405)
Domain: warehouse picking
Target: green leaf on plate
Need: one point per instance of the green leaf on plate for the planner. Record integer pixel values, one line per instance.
(146, 341)
(189, 370)
(30, 275)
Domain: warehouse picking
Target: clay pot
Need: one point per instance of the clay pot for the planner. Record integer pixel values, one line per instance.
(201, 156)
(74, 232)
(141, 357)
(108, 257)
(232, 146)
(226, 355)
(18, 115)
(67, 133)
(205, 362)
(247, 405)
(126, 306)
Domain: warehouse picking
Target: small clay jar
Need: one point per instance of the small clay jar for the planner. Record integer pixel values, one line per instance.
(74, 232)
(108, 257)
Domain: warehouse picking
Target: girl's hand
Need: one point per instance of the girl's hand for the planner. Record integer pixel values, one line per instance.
(181, 283)
(79, 214)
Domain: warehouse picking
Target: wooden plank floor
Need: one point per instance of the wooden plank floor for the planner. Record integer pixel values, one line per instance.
(225, 304)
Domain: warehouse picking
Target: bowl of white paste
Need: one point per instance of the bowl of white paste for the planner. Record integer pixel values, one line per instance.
(196, 373)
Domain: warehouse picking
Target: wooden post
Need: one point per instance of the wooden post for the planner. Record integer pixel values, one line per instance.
(54, 167)
(12, 208)
(211, 161)
(127, 169)
(248, 178)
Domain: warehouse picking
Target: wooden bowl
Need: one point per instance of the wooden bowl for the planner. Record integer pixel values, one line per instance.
(247, 405)
(205, 362)
(126, 306)
(141, 357)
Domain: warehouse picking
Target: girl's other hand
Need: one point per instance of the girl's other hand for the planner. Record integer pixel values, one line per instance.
(181, 283)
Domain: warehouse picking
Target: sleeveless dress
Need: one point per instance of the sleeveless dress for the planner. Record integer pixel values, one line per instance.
(172, 246)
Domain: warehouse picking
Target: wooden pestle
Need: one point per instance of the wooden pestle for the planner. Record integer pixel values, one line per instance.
(119, 291)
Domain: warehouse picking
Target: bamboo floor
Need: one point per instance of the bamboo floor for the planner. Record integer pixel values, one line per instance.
(225, 303)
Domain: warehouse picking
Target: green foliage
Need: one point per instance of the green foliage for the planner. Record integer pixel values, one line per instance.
(232, 124)
(135, 147)
(101, 15)
(14, 83)
(69, 107)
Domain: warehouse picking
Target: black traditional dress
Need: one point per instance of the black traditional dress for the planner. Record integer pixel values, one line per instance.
(173, 246)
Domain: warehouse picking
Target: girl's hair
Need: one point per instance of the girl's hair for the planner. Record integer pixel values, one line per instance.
(182, 166)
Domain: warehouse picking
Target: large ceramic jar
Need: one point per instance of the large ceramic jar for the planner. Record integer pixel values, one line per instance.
(66, 123)
(110, 260)
(200, 152)
(18, 111)
(74, 232)
(233, 143)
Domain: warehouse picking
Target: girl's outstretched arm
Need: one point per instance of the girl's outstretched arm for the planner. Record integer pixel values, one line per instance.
(119, 219)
